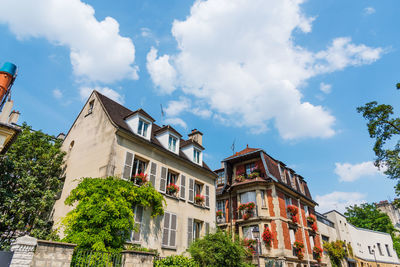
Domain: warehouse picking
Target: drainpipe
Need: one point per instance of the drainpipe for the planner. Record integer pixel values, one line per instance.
(302, 232)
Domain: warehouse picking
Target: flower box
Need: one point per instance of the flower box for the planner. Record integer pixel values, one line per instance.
(140, 178)
(298, 249)
(172, 189)
(311, 219)
(199, 199)
(250, 244)
(267, 237)
(219, 213)
(317, 253)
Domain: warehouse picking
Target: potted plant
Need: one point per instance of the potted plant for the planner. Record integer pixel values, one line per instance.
(314, 227)
(140, 178)
(242, 206)
(199, 199)
(250, 244)
(250, 206)
(253, 175)
(247, 216)
(298, 247)
(317, 253)
(311, 219)
(240, 176)
(219, 213)
(293, 211)
(267, 237)
(172, 189)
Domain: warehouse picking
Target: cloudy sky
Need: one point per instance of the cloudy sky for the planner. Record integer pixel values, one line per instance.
(285, 76)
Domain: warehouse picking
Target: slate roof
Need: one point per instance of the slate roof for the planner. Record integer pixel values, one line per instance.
(118, 113)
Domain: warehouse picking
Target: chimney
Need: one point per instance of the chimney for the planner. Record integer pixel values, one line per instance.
(14, 116)
(5, 113)
(61, 136)
(196, 136)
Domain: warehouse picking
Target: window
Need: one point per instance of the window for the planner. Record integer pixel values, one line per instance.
(263, 203)
(169, 230)
(248, 197)
(248, 231)
(311, 241)
(90, 109)
(196, 155)
(288, 202)
(138, 168)
(387, 250)
(135, 235)
(306, 210)
(221, 207)
(171, 178)
(172, 143)
(292, 237)
(197, 189)
(142, 128)
(325, 238)
(197, 229)
(250, 168)
(220, 179)
(380, 249)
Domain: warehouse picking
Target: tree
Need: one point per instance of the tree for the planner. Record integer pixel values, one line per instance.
(369, 217)
(383, 127)
(336, 251)
(103, 217)
(218, 250)
(30, 178)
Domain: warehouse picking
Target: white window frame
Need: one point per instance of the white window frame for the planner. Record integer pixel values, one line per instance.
(196, 155)
(200, 224)
(143, 127)
(135, 170)
(172, 141)
(263, 202)
(169, 177)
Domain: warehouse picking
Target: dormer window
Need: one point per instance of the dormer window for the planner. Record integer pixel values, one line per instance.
(172, 143)
(196, 155)
(142, 128)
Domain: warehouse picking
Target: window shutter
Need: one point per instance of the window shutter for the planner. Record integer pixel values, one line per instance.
(127, 170)
(190, 231)
(138, 223)
(172, 235)
(153, 173)
(191, 190)
(165, 236)
(234, 208)
(183, 187)
(207, 228)
(207, 196)
(163, 179)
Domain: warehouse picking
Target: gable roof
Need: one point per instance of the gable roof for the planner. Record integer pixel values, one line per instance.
(141, 112)
(118, 113)
(243, 152)
(168, 127)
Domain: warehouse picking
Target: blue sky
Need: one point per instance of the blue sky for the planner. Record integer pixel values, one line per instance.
(285, 76)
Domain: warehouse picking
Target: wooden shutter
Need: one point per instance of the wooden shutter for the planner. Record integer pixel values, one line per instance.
(172, 233)
(138, 223)
(165, 236)
(234, 208)
(207, 196)
(207, 228)
(190, 231)
(127, 170)
(163, 179)
(183, 187)
(191, 190)
(153, 173)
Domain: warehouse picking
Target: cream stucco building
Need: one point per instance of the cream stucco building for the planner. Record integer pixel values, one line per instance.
(108, 139)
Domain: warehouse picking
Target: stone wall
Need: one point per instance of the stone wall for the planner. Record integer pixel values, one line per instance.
(48, 254)
(136, 258)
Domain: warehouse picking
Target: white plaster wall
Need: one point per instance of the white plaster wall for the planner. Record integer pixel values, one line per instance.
(133, 123)
(189, 150)
(163, 138)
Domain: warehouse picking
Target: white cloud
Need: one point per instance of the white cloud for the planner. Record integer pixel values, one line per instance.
(161, 71)
(369, 10)
(176, 121)
(97, 51)
(351, 172)
(176, 107)
(339, 200)
(325, 88)
(114, 95)
(240, 59)
(57, 93)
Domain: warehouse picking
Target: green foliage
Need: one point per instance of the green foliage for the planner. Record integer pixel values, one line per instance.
(382, 126)
(31, 175)
(138, 247)
(396, 244)
(176, 261)
(218, 250)
(103, 217)
(336, 251)
(369, 217)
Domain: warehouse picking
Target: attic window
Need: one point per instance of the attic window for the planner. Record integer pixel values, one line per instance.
(172, 143)
(90, 109)
(196, 156)
(142, 128)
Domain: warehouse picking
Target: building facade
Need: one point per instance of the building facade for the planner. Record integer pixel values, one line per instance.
(282, 215)
(369, 248)
(391, 210)
(108, 139)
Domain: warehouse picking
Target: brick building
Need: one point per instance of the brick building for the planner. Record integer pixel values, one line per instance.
(283, 208)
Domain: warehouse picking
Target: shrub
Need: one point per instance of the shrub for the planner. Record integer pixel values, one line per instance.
(176, 260)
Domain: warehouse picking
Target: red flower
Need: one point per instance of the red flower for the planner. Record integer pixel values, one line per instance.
(172, 188)
(267, 237)
(199, 198)
(314, 227)
(141, 178)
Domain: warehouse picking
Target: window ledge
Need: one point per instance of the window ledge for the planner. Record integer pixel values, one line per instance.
(169, 248)
(264, 208)
(200, 206)
(172, 197)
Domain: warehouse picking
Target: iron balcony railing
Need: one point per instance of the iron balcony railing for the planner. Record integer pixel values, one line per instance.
(247, 214)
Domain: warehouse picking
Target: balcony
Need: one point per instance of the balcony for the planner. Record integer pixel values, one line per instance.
(252, 176)
(221, 219)
(247, 214)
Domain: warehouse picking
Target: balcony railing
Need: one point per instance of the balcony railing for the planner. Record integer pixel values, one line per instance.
(243, 177)
(247, 214)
